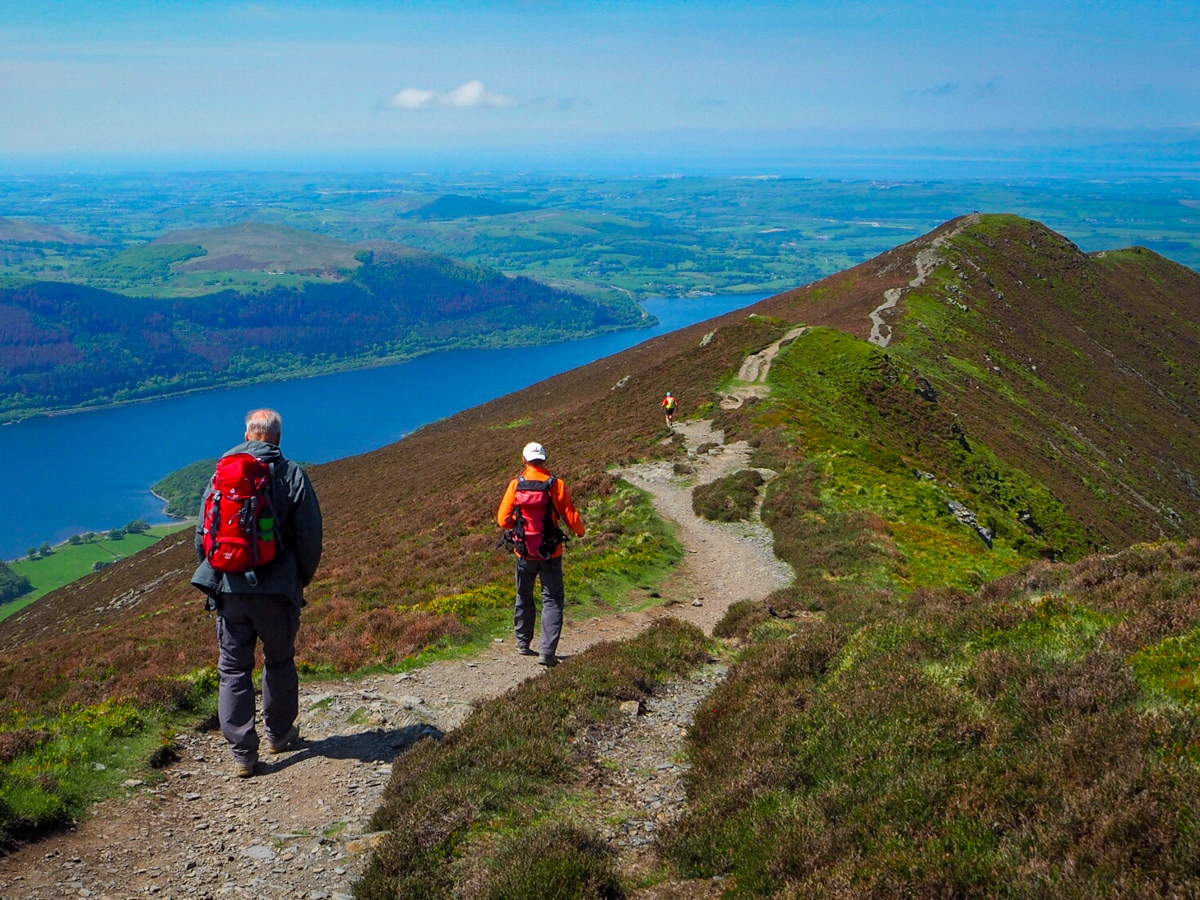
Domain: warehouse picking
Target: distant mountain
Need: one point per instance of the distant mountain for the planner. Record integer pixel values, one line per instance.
(455, 206)
(19, 231)
(64, 345)
(255, 246)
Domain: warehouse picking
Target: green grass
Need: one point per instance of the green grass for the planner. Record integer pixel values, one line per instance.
(52, 768)
(71, 562)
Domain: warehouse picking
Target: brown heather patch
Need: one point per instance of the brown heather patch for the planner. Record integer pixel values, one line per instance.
(505, 765)
(19, 741)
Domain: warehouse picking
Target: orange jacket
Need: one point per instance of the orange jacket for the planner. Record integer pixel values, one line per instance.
(563, 506)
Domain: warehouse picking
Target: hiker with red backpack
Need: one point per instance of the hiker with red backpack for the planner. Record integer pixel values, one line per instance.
(533, 507)
(259, 543)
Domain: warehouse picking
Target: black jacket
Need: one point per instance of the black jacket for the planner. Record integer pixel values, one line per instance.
(298, 522)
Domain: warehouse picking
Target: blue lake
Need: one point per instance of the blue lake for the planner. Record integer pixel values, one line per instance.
(93, 470)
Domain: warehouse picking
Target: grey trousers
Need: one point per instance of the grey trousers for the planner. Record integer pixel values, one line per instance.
(242, 620)
(553, 596)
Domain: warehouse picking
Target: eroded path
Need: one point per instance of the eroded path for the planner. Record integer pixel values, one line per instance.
(926, 261)
(299, 828)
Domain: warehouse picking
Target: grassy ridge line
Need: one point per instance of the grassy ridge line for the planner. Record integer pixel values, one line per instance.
(70, 562)
(504, 770)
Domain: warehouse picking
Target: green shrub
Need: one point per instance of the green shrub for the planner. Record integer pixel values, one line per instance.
(554, 862)
(728, 499)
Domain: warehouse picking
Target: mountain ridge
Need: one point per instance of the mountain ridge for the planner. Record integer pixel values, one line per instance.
(923, 697)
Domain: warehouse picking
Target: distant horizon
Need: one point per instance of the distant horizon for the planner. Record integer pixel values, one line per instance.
(1150, 159)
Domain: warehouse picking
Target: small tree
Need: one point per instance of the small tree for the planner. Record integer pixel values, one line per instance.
(137, 526)
(89, 537)
(32, 551)
(74, 540)
(117, 534)
(98, 565)
(46, 548)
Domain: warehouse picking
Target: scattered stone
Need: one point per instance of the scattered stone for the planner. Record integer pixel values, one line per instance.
(632, 707)
(99, 767)
(261, 851)
(134, 783)
(190, 797)
(410, 701)
(697, 602)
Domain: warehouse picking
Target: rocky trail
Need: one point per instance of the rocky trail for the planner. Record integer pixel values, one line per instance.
(926, 261)
(299, 828)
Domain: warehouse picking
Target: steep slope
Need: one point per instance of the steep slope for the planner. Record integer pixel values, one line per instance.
(412, 523)
(1080, 369)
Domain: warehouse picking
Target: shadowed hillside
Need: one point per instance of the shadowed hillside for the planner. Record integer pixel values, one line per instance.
(1084, 478)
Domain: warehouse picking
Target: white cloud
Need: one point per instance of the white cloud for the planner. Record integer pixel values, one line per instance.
(471, 95)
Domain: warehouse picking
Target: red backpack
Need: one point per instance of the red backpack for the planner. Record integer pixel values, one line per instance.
(536, 533)
(239, 520)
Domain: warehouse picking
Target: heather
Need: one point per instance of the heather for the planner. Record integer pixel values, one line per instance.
(939, 703)
(1034, 739)
(731, 498)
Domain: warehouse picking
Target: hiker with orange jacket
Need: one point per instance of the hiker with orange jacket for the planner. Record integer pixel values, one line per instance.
(533, 507)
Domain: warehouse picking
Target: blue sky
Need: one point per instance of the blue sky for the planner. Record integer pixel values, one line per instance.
(545, 83)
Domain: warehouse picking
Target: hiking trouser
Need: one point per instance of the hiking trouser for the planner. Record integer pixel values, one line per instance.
(242, 620)
(551, 573)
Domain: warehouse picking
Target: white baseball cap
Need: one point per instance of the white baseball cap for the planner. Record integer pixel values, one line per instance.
(534, 450)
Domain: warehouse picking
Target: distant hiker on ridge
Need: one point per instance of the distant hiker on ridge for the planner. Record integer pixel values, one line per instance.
(668, 406)
(533, 506)
(259, 542)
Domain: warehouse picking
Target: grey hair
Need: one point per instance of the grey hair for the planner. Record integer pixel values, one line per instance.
(264, 421)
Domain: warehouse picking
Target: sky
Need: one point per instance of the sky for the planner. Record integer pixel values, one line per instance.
(624, 83)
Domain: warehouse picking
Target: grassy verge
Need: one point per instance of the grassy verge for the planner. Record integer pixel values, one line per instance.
(53, 767)
(70, 562)
(1037, 739)
(503, 771)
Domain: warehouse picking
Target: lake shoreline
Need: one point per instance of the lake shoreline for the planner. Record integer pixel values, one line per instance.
(316, 371)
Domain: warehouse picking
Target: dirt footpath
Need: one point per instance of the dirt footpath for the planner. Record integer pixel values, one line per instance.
(298, 829)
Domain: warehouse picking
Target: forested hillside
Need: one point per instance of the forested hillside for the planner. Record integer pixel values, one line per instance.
(66, 345)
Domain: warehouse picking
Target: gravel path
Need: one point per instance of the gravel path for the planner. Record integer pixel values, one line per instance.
(299, 828)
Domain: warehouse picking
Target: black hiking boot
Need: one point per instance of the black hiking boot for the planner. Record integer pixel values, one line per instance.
(548, 660)
(523, 650)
